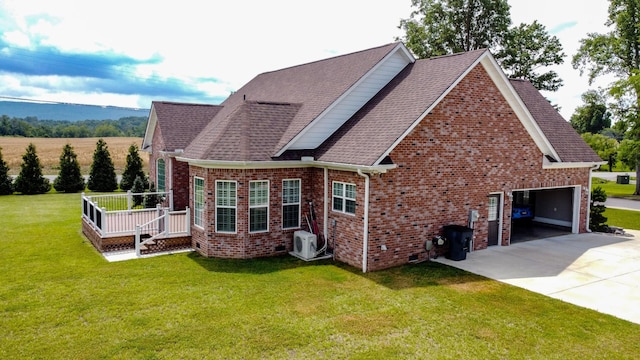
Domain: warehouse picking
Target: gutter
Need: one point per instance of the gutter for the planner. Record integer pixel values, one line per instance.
(572, 165)
(304, 162)
(365, 231)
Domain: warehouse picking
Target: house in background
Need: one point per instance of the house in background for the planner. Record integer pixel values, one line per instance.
(389, 150)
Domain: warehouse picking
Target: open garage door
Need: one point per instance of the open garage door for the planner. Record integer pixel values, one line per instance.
(542, 213)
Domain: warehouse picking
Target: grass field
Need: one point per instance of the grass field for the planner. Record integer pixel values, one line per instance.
(626, 219)
(613, 189)
(49, 151)
(61, 300)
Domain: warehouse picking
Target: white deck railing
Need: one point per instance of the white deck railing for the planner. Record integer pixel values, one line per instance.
(167, 224)
(118, 214)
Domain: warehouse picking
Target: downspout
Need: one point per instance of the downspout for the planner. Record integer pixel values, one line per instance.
(365, 232)
(589, 195)
(325, 208)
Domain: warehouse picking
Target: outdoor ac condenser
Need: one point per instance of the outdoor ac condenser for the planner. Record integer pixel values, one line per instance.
(304, 244)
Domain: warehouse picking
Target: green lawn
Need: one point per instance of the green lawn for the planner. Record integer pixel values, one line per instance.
(626, 219)
(60, 299)
(616, 190)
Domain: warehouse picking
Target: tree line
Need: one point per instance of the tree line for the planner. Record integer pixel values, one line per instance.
(102, 176)
(131, 126)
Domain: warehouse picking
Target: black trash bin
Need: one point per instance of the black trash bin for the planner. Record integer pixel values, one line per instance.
(622, 179)
(459, 238)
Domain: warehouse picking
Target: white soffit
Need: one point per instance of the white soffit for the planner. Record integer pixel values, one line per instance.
(330, 120)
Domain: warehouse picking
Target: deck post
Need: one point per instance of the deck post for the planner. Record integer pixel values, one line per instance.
(188, 221)
(129, 200)
(171, 199)
(103, 215)
(137, 241)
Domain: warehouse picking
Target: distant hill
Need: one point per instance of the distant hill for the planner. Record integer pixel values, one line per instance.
(68, 112)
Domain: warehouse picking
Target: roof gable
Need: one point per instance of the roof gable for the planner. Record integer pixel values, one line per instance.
(369, 137)
(179, 123)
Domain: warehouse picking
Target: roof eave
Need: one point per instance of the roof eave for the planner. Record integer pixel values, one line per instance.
(147, 140)
(572, 165)
(303, 163)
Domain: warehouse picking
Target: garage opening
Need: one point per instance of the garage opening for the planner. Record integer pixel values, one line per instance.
(542, 213)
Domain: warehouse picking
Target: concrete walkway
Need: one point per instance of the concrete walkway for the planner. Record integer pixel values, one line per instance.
(595, 271)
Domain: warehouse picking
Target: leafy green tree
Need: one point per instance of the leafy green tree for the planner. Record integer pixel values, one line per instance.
(439, 27)
(593, 116)
(597, 220)
(133, 169)
(30, 180)
(618, 53)
(526, 52)
(138, 188)
(70, 178)
(629, 154)
(102, 176)
(6, 182)
(107, 130)
(605, 147)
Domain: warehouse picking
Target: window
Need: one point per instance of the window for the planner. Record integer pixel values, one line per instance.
(160, 175)
(226, 206)
(258, 206)
(198, 201)
(344, 197)
(290, 204)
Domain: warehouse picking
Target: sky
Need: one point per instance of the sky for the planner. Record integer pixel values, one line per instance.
(129, 53)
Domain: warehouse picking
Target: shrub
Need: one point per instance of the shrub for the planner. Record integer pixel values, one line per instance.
(133, 169)
(6, 182)
(70, 178)
(102, 176)
(597, 220)
(138, 187)
(30, 180)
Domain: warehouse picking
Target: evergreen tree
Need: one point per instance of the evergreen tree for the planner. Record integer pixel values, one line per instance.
(137, 188)
(597, 221)
(6, 182)
(69, 179)
(151, 200)
(30, 180)
(133, 169)
(102, 176)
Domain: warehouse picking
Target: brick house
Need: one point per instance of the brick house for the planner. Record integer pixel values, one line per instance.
(388, 148)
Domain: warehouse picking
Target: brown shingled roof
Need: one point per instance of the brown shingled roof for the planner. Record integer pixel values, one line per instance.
(315, 85)
(253, 130)
(180, 123)
(374, 129)
(565, 140)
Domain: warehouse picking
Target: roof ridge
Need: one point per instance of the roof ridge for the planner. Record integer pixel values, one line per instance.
(456, 54)
(332, 57)
(184, 103)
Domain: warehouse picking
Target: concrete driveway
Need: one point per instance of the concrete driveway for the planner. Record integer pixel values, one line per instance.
(595, 271)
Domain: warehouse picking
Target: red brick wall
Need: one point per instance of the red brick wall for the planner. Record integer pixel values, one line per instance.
(179, 183)
(470, 145)
(244, 244)
(349, 228)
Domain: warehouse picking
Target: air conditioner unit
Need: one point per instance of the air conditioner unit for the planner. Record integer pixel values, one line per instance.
(304, 244)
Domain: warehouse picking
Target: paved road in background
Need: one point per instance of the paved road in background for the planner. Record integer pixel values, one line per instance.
(615, 202)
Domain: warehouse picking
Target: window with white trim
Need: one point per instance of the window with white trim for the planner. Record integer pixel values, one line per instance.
(344, 197)
(226, 201)
(198, 201)
(259, 206)
(160, 175)
(290, 203)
